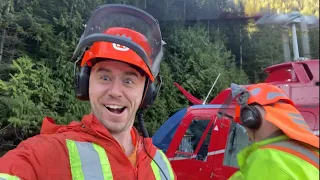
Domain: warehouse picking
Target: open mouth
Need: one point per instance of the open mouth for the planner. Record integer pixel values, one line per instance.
(115, 108)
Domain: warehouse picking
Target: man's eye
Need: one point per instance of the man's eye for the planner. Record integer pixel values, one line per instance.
(105, 77)
(128, 81)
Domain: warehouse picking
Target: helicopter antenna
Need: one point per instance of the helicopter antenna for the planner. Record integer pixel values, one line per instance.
(204, 102)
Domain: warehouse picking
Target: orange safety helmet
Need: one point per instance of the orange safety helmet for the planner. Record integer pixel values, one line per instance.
(279, 110)
(263, 94)
(119, 52)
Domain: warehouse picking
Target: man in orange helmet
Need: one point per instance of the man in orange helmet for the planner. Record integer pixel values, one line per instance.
(120, 52)
(283, 146)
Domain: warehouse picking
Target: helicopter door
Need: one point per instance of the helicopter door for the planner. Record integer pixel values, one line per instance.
(237, 140)
(192, 153)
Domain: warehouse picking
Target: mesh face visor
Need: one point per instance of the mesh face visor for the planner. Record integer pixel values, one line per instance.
(123, 29)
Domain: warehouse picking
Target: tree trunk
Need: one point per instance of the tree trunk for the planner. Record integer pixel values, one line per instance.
(2, 43)
(3, 36)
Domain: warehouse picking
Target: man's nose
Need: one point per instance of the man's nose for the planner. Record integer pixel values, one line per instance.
(115, 89)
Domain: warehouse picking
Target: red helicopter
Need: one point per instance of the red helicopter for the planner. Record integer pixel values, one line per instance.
(202, 145)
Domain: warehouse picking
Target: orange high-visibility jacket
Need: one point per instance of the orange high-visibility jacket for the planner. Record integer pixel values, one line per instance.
(82, 151)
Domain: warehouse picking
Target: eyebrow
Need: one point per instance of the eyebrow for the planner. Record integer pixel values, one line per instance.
(128, 73)
(131, 73)
(103, 69)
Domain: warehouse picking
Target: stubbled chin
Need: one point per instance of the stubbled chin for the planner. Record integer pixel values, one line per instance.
(116, 123)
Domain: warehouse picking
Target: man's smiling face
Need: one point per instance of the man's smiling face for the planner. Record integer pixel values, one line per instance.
(115, 90)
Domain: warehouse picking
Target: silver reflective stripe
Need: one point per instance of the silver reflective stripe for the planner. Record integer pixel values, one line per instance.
(299, 148)
(272, 95)
(162, 164)
(255, 91)
(299, 119)
(296, 115)
(90, 161)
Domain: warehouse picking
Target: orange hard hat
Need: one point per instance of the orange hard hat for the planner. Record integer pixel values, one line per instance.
(263, 94)
(280, 111)
(118, 52)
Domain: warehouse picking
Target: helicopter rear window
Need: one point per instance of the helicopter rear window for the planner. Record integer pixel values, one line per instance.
(191, 140)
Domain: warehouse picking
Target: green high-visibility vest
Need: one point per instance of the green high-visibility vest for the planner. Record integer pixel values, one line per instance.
(278, 158)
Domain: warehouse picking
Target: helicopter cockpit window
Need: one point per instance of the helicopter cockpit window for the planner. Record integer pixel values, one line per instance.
(192, 140)
(237, 140)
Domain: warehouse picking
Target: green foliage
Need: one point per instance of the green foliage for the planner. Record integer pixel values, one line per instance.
(197, 61)
(262, 48)
(34, 94)
(314, 43)
(307, 7)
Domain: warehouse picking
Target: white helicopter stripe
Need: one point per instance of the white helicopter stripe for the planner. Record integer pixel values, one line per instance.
(221, 151)
(211, 153)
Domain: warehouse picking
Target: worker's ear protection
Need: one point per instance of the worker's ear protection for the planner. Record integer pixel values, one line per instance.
(250, 116)
(150, 94)
(82, 83)
(82, 87)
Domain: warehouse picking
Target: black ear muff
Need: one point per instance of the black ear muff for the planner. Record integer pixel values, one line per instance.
(150, 95)
(250, 117)
(151, 92)
(82, 83)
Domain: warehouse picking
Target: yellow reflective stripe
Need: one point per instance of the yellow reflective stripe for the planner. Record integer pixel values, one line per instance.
(104, 161)
(155, 170)
(75, 161)
(164, 157)
(4, 176)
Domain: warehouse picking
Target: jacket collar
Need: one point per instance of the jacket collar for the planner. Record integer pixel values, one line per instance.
(94, 127)
(89, 124)
(99, 134)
